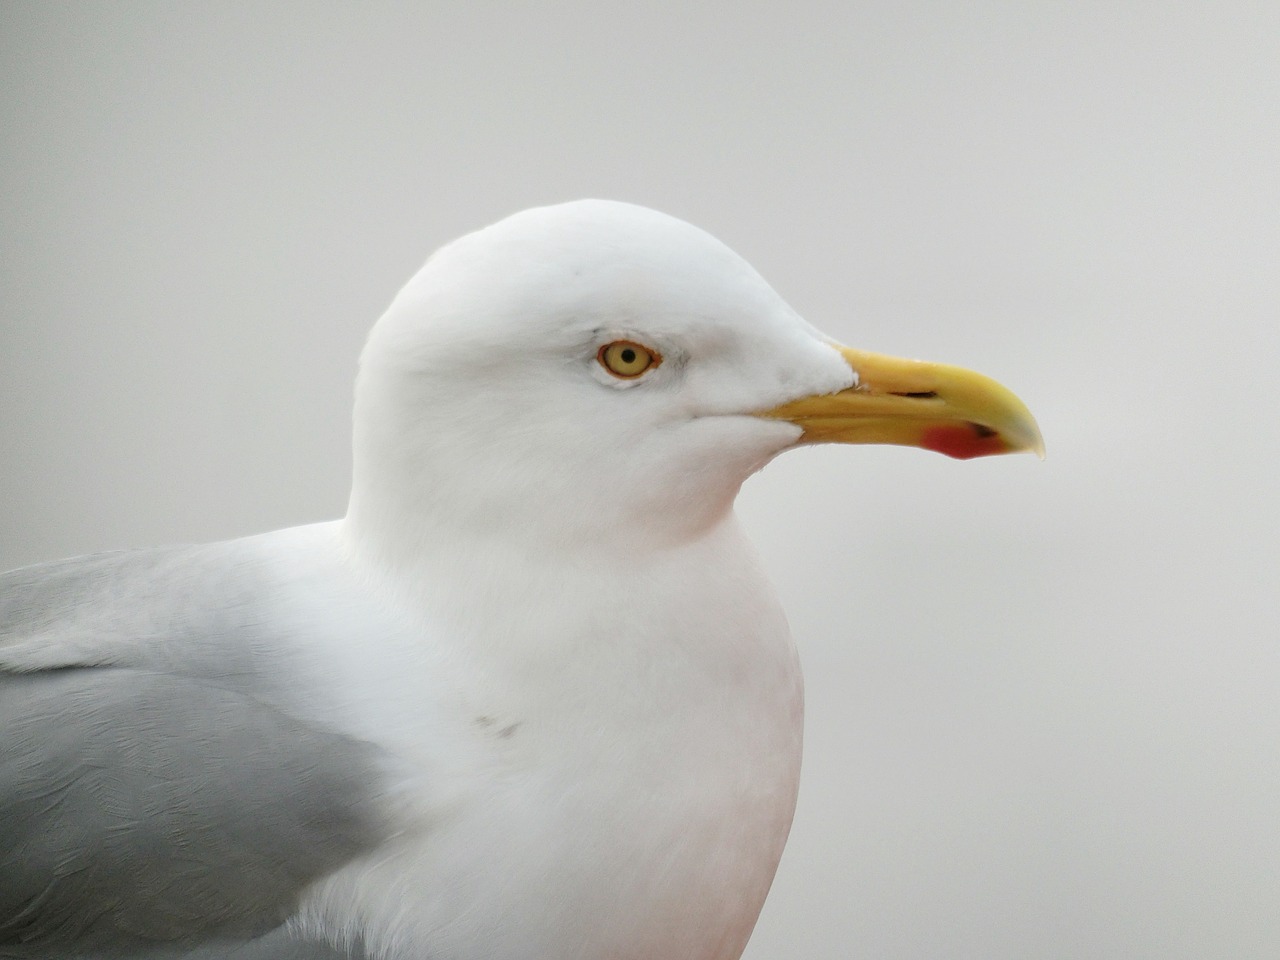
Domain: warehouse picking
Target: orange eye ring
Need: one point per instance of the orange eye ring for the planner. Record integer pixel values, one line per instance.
(626, 359)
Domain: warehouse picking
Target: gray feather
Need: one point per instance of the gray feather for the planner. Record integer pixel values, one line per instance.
(156, 789)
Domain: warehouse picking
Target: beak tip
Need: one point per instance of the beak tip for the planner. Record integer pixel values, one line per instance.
(1035, 442)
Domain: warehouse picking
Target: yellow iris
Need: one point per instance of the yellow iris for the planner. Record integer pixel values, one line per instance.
(627, 359)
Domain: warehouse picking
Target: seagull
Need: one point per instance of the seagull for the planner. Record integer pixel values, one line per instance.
(533, 697)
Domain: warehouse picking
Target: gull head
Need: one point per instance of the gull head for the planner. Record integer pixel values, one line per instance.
(600, 374)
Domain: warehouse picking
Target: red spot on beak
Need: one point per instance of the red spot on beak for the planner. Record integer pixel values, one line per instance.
(963, 441)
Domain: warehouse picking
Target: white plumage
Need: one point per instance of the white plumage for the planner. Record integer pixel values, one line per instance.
(557, 709)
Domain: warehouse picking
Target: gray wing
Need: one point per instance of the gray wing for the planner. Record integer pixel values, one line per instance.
(145, 811)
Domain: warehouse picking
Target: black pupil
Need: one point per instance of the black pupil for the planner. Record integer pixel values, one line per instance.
(628, 355)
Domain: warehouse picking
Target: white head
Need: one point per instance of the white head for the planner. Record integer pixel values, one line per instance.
(483, 402)
(485, 405)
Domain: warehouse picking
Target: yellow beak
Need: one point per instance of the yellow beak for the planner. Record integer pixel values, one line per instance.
(912, 403)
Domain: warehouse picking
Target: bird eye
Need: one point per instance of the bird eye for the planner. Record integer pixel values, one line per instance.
(627, 359)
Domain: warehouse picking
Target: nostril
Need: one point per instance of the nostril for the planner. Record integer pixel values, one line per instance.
(920, 395)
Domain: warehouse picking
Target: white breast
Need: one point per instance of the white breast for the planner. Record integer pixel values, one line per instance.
(608, 776)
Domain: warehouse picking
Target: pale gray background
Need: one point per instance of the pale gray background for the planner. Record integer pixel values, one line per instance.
(1043, 698)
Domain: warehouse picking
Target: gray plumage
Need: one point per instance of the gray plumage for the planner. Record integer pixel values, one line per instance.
(158, 787)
